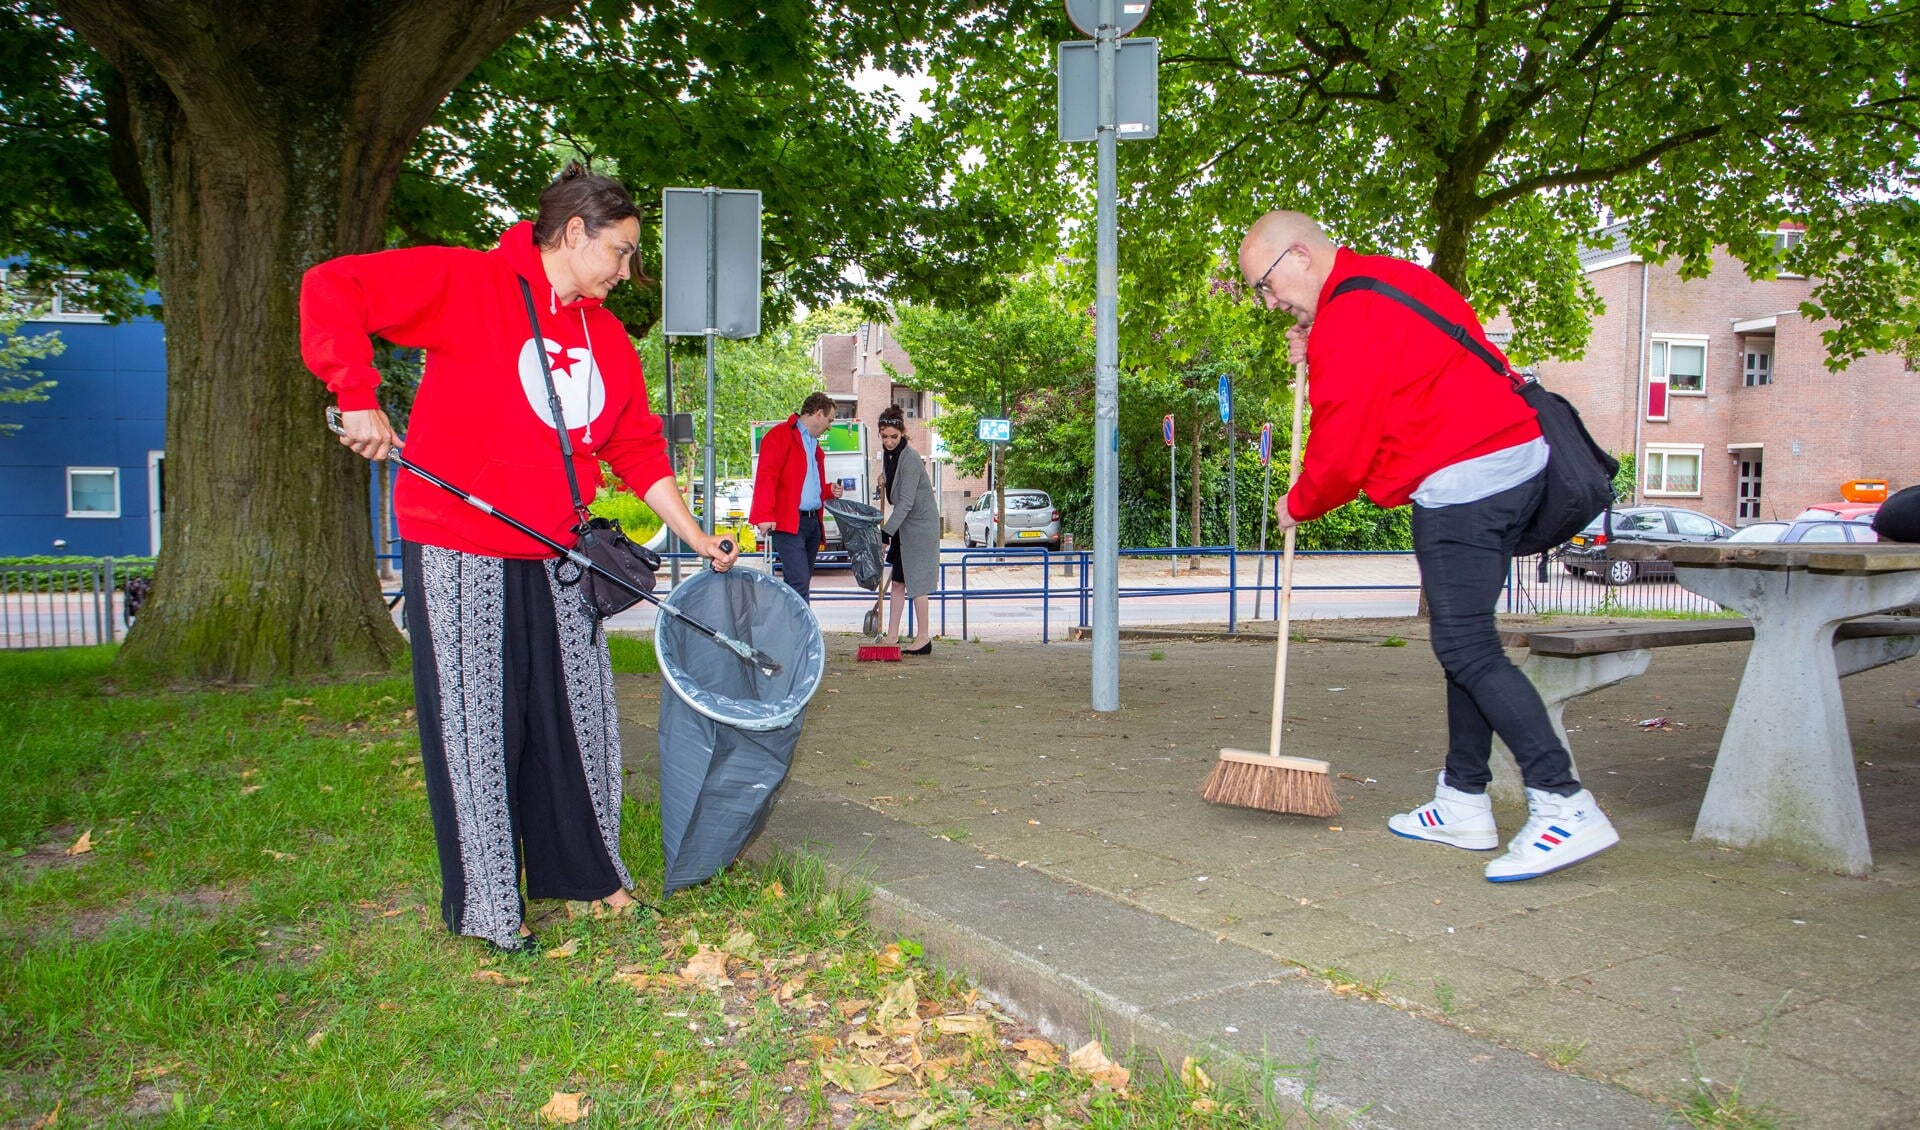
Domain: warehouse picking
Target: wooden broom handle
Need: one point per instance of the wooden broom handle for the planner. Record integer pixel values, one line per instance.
(1286, 566)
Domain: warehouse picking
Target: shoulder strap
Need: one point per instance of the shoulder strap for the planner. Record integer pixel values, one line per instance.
(1452, 329)
(553, 402)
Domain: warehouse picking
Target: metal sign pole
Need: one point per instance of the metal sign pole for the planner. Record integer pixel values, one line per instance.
(673, 450)
(1106, 381)
(1173, 499)
(713, 305)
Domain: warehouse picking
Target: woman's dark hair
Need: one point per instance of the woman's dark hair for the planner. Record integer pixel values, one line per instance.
(892, 417)
(598, 201)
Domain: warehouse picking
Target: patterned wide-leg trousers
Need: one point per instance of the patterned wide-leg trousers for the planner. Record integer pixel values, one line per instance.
(514, 694)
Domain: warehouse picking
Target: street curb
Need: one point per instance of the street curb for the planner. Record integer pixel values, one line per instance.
(1076, 963)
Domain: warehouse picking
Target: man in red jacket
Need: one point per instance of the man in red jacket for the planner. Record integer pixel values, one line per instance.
(1405, 413)
(788, 487)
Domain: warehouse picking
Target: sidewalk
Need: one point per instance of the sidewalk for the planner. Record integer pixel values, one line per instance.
(1064, 860)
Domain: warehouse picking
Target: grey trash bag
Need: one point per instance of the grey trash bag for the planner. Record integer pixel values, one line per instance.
(860, 534)
(727, 729)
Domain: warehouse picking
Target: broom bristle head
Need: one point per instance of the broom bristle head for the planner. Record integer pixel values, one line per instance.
(1271, 788)
(877, 653)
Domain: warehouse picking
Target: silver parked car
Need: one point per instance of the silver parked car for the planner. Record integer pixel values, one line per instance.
(1032, 519)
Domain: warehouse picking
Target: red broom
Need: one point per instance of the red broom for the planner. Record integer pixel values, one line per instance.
(1268, 781)
(874, 652)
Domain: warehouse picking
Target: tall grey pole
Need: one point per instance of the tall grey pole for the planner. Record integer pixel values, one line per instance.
(1233, 489)
(713, 315)
(673, 448)
(1106, 383)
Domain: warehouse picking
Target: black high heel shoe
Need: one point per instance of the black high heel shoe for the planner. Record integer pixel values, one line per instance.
(923, 649)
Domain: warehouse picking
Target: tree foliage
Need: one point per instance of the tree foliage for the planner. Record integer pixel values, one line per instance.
(65, 155)
(18, 383)
(257, 141)
(1490, 136)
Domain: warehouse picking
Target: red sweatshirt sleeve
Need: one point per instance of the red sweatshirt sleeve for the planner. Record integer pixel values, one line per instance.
(766, 476)
(399, 295)
(1348, 392)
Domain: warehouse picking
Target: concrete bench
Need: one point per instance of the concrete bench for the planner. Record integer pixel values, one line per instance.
(1565, 663)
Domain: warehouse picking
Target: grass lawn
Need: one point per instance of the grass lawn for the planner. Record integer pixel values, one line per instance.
(221, 907)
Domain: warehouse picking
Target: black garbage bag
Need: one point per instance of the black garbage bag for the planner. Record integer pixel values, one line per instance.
(1898, 518)
(860, 534)
(727, 728)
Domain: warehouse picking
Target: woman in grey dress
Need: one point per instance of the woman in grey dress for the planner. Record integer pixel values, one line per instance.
(913, 527)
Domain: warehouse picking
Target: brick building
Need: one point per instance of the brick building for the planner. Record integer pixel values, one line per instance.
(1720, 386)
(851, 370)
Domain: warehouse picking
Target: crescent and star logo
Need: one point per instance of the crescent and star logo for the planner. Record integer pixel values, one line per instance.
(583, 394)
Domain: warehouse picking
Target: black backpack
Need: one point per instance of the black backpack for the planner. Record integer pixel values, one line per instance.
(1579, 471)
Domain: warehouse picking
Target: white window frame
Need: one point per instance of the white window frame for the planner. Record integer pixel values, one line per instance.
(907, 400)
(1753, 347)
(114, 471)
(1697, 451)
(56, 310)
(1666, 378)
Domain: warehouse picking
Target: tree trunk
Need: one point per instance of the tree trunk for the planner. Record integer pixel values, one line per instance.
(270, 139)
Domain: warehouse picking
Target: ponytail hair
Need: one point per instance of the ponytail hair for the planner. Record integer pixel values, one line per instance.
(598, 201)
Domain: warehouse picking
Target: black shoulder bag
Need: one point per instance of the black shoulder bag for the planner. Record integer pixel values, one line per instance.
(1579, 471)
(601, 539)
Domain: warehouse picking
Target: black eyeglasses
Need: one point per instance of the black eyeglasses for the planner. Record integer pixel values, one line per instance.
(1260, 284)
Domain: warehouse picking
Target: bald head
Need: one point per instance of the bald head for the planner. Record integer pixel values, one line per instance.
(1286, 258)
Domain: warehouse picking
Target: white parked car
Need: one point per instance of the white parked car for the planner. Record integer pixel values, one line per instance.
(1032, 519)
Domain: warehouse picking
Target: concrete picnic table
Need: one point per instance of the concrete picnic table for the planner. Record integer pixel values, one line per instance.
(1784, 779)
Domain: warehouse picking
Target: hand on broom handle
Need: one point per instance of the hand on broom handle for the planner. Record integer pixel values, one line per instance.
(1286, 564)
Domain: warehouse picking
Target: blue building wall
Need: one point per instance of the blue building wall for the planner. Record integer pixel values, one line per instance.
(108, 409)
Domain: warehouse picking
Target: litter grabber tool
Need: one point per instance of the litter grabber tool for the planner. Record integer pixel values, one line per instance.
(761, 661)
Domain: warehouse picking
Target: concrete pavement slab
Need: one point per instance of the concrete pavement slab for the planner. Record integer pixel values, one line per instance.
(1356, 976)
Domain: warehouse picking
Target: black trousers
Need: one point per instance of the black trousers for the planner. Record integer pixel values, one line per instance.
(518, 739)
(1464, 552)
(797, 553)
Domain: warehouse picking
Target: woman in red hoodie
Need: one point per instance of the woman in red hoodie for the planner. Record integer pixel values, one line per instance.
(511, 682)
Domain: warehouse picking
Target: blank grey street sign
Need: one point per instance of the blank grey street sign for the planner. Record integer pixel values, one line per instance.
(721, 294)
(1136, 89)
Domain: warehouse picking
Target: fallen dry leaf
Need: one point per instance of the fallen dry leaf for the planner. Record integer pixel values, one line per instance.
(51, 1118)
(821, 1043)
(318, 1034)
(278, 856)
(250, 790)
(789, 987)
(901, 1000)
(709, 967)
(854, 1077)
(851, 1009)
(81, 846)
(963, 1024)
(566, 1107)
(632, 978)
(892, 957)
(562, 952)
(495, 977)
(1195, 1076)
(774, 890)
(398, 910)
(739, 943)
(1040, 1051)
(1091, 1060)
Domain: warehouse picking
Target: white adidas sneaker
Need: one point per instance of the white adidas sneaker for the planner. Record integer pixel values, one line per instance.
(1560, 832)
(1462, 820)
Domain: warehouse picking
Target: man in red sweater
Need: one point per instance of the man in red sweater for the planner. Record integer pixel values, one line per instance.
(1403, 412)
(789, 484)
